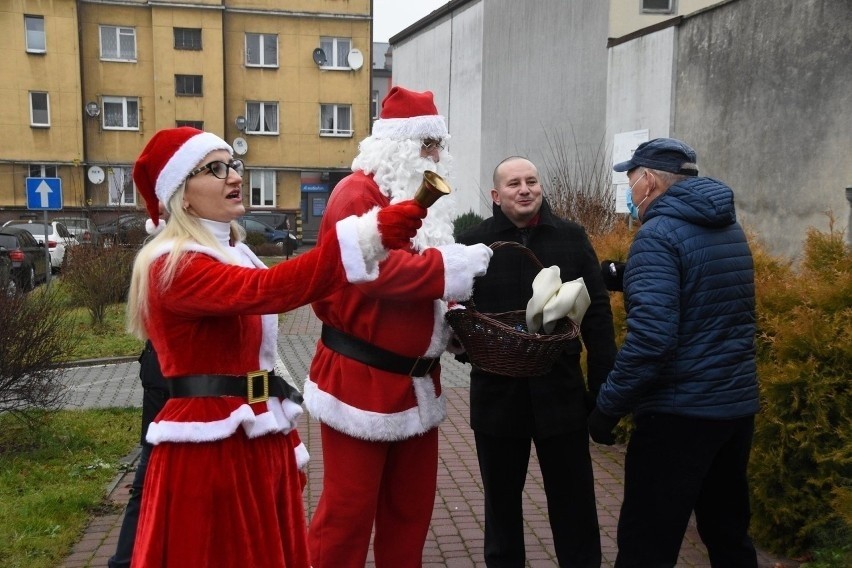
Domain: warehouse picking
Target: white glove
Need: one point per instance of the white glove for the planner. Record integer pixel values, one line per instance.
(545, 285)
(572, 300)
(478, 256)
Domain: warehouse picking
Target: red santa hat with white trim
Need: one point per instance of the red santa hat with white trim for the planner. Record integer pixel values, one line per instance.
(410, 115)
(165, 162)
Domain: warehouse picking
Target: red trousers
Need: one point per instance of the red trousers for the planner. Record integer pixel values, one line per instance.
(390, 483)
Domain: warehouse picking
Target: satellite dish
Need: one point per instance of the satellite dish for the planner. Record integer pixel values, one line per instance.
(240, 146)
(355, 59)
(96, 174)
(319, 57)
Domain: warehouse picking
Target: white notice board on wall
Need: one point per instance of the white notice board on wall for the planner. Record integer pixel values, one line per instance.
(623, 146)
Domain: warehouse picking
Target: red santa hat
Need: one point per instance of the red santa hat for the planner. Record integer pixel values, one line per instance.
(409, 115)
(165, 162)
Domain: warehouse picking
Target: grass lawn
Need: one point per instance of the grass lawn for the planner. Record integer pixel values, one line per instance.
(53, 478)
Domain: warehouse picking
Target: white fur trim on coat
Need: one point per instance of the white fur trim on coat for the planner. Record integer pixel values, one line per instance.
(374, 426)
(279, 417)
(458, 273)
(361, 247)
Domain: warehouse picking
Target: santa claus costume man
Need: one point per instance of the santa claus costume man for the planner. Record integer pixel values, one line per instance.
(223, 486)
(375, 378)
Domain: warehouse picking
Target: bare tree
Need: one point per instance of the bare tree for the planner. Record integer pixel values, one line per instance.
(578, 183)
(34, 338)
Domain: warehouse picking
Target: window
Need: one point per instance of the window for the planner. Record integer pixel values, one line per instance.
(261, 50)
(42, 171)
(658, 6)
(39, 109)
(262, 118)
(121, 191)
(189, 85)
(374, 105)
(36, 40)
(198, 124)
(336, 51)
(118, 44)
(335, 120)
(262, 188)
(121, 113)
(188, 38)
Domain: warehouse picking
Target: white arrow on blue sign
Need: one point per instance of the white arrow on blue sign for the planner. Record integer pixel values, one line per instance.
(44, 193)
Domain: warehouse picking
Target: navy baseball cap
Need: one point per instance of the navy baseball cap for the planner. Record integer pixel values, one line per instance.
(665, 154)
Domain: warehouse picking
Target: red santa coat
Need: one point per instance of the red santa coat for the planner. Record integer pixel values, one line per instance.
(234, 500)
(401, 311)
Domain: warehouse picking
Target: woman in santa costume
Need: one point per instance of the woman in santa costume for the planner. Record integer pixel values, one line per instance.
(375, 378)
(223, 486)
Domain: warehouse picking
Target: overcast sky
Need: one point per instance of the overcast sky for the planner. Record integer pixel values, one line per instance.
(392, 16)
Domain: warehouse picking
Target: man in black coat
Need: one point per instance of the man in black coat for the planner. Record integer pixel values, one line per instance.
(507, 413)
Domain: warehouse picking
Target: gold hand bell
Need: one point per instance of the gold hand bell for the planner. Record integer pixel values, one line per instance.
(431, 189)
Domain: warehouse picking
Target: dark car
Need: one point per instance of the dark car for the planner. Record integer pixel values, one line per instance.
(7, 282)
(126, 229)
(278, 237)
(29, 262)
(280, 221)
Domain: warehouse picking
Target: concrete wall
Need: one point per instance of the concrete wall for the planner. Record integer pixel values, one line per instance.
(511, 77)
(544, 80)
(635, 100)
(447, 60)
(763, 94)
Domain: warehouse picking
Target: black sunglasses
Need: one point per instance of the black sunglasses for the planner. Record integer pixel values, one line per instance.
(220, 169)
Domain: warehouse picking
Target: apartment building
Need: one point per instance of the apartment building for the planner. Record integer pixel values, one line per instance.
(87, 82)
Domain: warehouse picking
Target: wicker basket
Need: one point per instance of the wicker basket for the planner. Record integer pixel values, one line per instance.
(499, 343)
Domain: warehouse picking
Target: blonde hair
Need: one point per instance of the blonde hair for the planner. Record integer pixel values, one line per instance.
(180, 230)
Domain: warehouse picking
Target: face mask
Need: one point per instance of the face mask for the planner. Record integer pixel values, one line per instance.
(634, 209)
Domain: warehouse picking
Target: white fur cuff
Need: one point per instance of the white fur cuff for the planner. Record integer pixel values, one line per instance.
(361, 247)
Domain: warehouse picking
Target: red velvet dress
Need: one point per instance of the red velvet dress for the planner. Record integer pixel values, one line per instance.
(223, 486)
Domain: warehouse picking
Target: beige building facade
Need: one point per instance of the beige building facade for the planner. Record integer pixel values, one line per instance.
(88, 82)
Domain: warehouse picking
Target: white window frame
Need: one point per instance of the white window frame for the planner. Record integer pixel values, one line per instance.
(670, 10)
(46, 109)
(127, 117)
(117, 33)
(262, 40)
(335, 129)
(258, 109)
(32, 34)
(333, 59)
(374, 105)
(264, 181)
(122, 192)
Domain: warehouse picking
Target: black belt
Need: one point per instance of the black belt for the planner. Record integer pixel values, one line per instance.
(257, 386)
(373, 356)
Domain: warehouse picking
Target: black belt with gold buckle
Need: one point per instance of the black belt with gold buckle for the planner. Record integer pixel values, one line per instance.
(256, 386)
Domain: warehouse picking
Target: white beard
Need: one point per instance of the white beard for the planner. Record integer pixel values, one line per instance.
(397, 168)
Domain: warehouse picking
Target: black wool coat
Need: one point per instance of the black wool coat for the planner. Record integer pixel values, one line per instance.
(558, 402)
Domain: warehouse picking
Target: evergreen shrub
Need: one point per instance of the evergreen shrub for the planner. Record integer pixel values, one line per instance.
(464, 222)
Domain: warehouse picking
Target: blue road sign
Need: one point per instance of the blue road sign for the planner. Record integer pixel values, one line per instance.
(44, 193)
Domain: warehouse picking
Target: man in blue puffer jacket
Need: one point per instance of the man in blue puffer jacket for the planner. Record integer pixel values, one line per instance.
(687, 368)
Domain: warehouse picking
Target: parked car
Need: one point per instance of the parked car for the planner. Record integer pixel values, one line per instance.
(58, 239)
(278, 237)
(275, 220)
(83, 229)
(127, 228)
(7, 282)
(29, 265)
